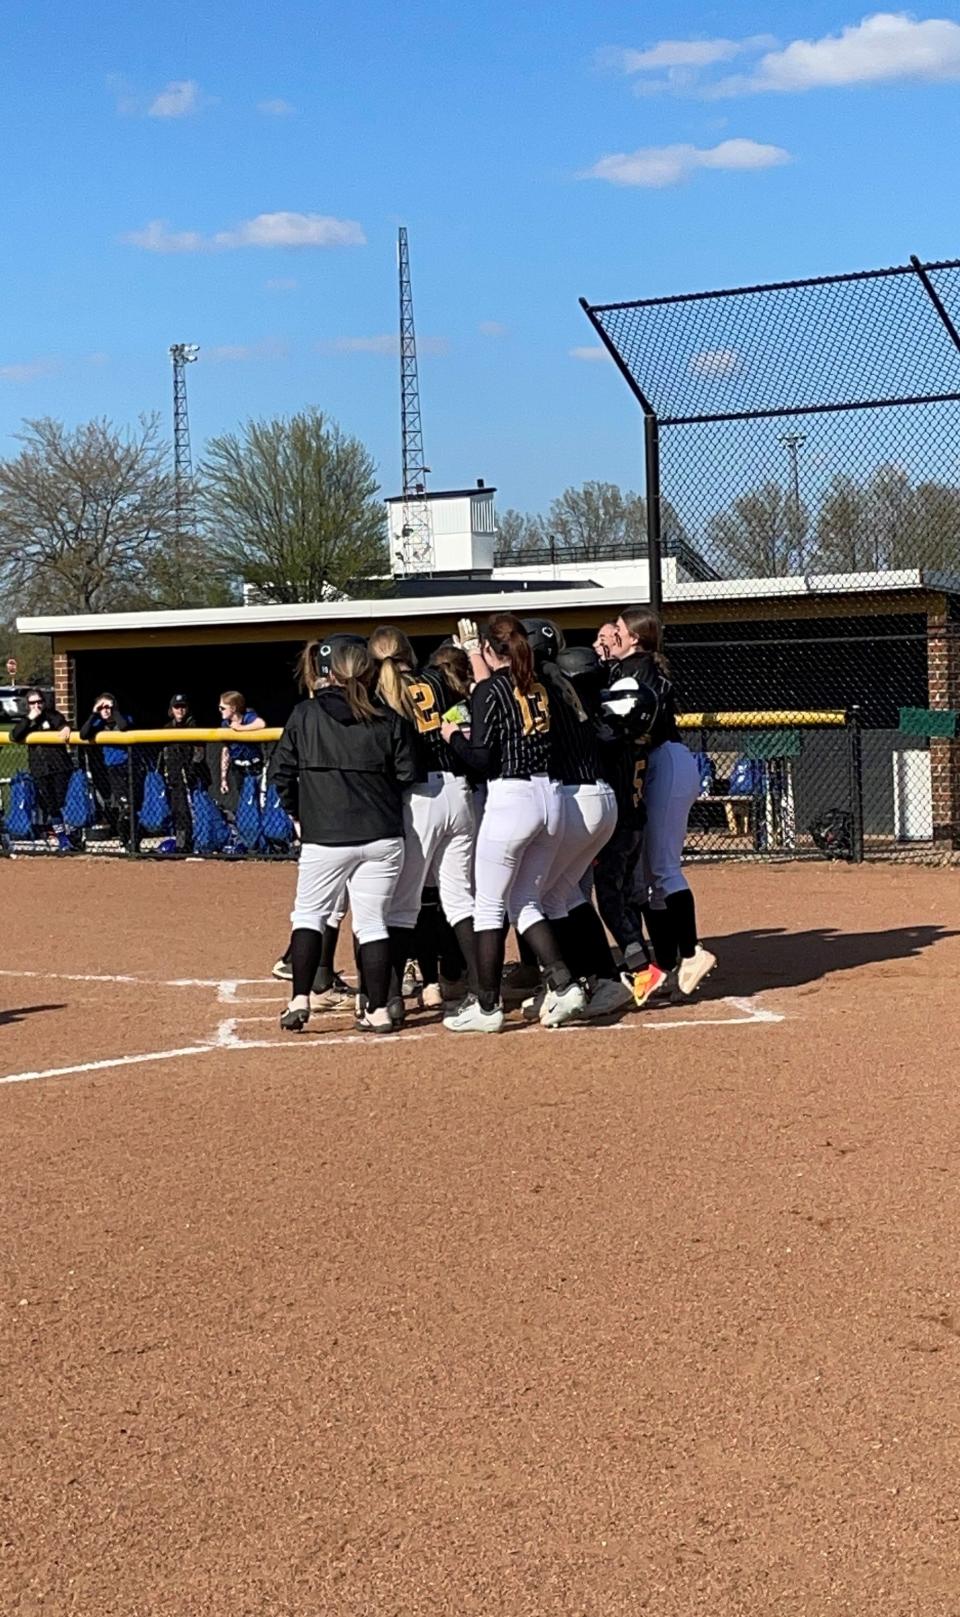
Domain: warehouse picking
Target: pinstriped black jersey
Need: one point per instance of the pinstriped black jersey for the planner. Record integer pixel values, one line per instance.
(432, 698)
(573, 739)
(509, 730)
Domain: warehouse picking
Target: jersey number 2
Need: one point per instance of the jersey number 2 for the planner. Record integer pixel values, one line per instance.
(534, 710)
(428, 718)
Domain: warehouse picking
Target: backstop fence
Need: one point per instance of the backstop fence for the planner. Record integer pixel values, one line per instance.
(802, 442)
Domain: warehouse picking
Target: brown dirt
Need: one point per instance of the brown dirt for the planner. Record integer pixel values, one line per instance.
(657, 1319)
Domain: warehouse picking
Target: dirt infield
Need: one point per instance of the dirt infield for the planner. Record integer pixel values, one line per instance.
(662, 1318)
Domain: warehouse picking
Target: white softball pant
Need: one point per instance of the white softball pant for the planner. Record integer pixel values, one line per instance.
(515, 850)
(672, 786)
(370, 870)
(588, 820)
(439, 833)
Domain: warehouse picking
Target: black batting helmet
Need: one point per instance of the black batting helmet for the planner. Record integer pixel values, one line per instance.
(546, 640)
(328, 645)
(633, 703)
(578, 662)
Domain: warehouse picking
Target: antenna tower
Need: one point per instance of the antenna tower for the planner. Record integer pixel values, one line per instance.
(417, 526)
(182, 354)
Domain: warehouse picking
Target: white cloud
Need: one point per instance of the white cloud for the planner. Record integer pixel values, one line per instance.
(239, 353)
(715, 362)
(492, 328)
(688, 53)
(266, 230)
(886, 46)
(281, 283)
(591, 354)
(176, 100)
(383, 343)
(28, 371)
(657, 166)
(276, 108)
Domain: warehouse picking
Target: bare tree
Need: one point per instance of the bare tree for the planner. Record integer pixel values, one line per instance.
(519, 535)
(596, 518)
(293, 506)
(846, 538)
(760, 535)
(84, 514)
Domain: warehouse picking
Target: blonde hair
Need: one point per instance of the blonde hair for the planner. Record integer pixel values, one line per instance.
(236, 700)
(354, 670)
(393, 654)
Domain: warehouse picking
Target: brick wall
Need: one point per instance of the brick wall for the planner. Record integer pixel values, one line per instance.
(943, 656)
(64, 684)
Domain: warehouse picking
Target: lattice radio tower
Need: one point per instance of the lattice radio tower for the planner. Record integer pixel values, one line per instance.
(417, 535)
(185, 512)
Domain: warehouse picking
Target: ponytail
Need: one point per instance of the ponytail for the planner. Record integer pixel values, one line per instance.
(506, 636)
(393, 653)
(354, 671)
(307, 667)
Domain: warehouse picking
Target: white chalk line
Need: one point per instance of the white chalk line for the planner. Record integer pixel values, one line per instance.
(227, 1037)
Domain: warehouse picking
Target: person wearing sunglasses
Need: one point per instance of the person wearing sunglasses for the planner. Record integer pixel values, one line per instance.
(49, 766)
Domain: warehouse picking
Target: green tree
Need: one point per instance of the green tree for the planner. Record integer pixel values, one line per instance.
(84, 515)
(294, 506)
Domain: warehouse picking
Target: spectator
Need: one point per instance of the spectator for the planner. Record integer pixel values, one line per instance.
(49, 766)
(238, 759)
(606, 642)
(115, 779)
(184, 768)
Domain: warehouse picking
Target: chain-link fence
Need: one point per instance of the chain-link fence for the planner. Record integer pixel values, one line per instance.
(142, 795)
(801, 442)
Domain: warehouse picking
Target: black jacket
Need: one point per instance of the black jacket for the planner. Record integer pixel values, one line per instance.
(187, 761)
(48, 760)
(343, 779)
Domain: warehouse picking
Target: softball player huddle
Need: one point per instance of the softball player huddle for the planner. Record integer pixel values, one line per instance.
(504, 774)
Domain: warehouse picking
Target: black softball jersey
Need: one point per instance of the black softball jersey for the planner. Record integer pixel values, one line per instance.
(574, 757)
(432, 698)
(341, 777)
(509, 730)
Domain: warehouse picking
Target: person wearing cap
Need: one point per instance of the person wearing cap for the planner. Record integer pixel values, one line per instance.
(184, 769)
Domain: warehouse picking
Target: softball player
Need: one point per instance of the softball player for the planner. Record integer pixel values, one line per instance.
(670, 786)
(438, 819)
(509, 746)
(341, 767)
(587, 821)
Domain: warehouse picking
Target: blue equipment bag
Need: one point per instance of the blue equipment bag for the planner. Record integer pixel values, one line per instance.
(278, 830)
(248, 816)
(79, 805)
(155, 807)
(210, 830)
(23, 805)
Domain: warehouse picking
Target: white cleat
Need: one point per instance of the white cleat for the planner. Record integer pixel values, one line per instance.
(470, 1017)
(609, 996)
(432, 997)
(562, 1005)
(695, 969)
(378, 1021)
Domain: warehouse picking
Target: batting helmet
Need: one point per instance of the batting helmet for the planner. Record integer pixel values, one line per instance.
(635, 704)
(546, 640)
(328, 646)
(578, 662)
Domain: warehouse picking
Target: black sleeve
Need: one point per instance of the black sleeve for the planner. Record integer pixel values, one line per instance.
(481, 754)
(60, 720)
(284, 772)
(21, 729)
(90, 727)
(121, 723)
(406, 764)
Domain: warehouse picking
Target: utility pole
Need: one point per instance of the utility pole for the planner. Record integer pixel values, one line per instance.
(793, 442)
(182, 355)
(417, 547)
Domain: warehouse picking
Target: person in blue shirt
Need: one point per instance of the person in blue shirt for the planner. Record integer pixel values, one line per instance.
(113, 780)
(238, 759)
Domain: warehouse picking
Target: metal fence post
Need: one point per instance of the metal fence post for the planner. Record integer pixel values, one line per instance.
(651, 445)
(855, 760)
(132, 848)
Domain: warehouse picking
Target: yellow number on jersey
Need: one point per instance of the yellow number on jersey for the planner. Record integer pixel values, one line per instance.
(639, 781)
(534, 710)
(422, 696)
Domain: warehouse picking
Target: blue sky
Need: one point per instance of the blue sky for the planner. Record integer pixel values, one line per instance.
(159, 158)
